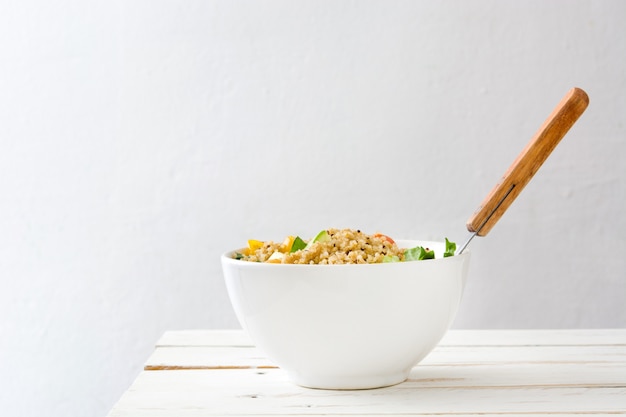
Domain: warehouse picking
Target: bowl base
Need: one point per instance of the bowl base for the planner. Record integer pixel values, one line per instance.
(351, 382)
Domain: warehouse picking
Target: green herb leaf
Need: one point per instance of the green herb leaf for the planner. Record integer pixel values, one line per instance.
(322, 236)
(238, 256)
(450, 249)
(418, 253)
(297, 244)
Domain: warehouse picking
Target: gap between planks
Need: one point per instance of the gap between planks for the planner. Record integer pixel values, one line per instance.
(421, 365)
(203, 368)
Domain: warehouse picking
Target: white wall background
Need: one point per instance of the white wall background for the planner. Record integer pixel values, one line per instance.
(141, 139)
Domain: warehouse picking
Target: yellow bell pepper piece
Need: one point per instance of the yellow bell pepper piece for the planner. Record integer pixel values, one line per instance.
(253, 245)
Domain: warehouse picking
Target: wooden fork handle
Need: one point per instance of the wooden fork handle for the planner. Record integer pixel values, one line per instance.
(528, 162)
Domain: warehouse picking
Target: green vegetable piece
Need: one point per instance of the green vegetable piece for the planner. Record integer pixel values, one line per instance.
(238, 256)
(322, 236)
(390, 258)
(297, 244)
(418, 253)
(450, 249)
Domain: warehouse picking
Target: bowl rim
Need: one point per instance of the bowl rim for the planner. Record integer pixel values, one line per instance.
(228, 257)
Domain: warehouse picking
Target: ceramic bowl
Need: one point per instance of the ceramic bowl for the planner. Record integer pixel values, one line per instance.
(347, 326)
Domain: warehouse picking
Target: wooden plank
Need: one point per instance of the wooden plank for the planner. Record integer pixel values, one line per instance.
(267, 392)
(166, 358)
(518, 375)
(543, 337)
(454, 337)
(248, 357)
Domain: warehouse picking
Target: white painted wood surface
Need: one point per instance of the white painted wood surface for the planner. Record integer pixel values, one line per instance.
(503, 372)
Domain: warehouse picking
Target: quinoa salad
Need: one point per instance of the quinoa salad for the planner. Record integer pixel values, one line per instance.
(336, 246)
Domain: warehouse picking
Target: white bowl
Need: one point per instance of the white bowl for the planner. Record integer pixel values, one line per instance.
(347, 326)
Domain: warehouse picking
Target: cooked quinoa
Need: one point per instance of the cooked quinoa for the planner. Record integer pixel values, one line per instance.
(342, 246)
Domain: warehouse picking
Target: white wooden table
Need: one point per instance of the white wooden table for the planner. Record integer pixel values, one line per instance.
(503, 372)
